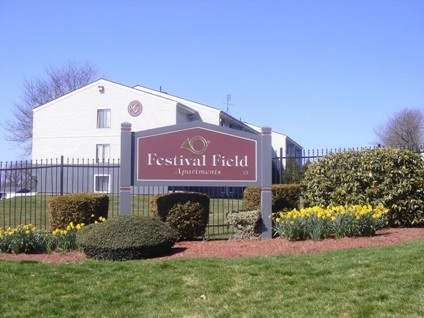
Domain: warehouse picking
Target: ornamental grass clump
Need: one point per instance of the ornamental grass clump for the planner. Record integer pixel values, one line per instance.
(319, 223)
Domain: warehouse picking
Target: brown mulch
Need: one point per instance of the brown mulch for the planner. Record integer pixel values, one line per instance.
(251, 248)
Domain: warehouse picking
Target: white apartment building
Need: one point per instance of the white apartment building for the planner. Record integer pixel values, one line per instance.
(86, 123)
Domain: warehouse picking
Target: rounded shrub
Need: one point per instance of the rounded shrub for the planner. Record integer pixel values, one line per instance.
(393, 178)
(126, 237)
(189, 219)
(187, 212)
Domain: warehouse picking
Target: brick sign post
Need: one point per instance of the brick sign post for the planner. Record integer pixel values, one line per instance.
(196, 154)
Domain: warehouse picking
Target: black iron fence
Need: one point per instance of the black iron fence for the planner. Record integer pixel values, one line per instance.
(290, 167)
(26, 187)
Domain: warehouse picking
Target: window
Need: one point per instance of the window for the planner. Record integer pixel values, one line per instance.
(102, 153)
(102, 183)
(103, 118)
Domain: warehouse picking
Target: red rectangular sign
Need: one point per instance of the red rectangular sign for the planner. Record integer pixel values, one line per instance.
(196, 154)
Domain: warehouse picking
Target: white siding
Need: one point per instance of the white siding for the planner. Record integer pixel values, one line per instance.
(68, 125)
(278, 140)
(207, 114)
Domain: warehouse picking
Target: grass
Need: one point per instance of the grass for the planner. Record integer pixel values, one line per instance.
(33, 210)
(25, 210)
(366, 282)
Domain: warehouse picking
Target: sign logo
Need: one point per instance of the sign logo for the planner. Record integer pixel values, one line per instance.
(135, 108)
(196, 145)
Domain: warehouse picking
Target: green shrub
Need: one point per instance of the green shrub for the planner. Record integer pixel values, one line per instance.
(393, 178)
(284, 197)
(292, 172)
(77, 208)
(189, 219)
(245, 224)
(127, 237)
(252, 198)
(187, 212)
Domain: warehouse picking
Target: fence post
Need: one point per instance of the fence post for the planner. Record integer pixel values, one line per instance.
(266, 182)
(281, 166)
(61, 175)
(126, 168)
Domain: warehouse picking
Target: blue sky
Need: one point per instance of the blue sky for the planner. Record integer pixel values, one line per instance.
(325, 73)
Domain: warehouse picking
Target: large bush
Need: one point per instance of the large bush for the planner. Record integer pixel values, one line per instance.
(187, 212)
(77, 208)
(393, 178)
(126, 237)
(284, 197)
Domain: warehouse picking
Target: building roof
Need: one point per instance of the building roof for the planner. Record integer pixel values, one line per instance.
(95, 83)
(183, 104)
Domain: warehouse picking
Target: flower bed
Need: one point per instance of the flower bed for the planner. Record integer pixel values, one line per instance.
(29, 239)
(251, 248)
(318, 223)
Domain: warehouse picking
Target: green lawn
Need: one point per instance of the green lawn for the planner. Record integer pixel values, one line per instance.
(33, 209)
(25, 210)
(365, 282)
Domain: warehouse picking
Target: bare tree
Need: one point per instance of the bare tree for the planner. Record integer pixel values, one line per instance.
(19, 175)
(404, 130)
(39, 91)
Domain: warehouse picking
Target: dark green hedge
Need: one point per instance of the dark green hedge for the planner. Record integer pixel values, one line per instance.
(284, 196)
(126, 237)
(187, 212)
